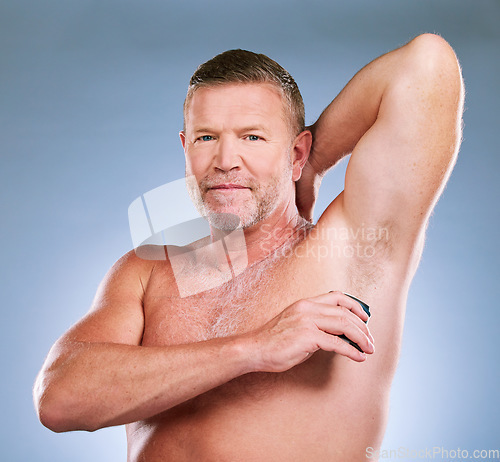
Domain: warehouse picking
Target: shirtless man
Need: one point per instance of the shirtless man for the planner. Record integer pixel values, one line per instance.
(256, 369)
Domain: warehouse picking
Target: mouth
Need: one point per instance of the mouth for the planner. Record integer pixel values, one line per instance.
(227, 187)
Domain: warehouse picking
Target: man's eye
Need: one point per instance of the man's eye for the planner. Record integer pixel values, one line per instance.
(206, 138)
(253, 137)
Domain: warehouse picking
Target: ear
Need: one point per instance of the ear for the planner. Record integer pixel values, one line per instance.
(300, 153)
(182, 136)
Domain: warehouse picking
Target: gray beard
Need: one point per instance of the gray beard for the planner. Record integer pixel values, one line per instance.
(223, 221)
(265, 200)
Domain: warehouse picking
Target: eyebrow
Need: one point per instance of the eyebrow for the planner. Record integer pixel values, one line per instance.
(203, 130)
(250, 128)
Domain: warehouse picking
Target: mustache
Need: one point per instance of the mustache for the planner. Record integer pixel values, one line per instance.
(213, 180)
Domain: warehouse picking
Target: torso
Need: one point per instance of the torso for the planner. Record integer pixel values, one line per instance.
(327, 408)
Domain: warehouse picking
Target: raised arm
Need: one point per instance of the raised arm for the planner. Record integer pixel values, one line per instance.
(400, 117)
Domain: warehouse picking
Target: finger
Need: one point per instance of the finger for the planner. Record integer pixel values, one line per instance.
(363, 305)
(350, 342)
(340, 299)
(356, 331)
(337, 312)
(328, 342)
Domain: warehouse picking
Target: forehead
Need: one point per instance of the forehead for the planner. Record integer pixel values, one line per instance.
(262, 102)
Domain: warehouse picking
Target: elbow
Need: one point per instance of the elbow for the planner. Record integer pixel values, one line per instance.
(431, 41)
(58, 411)
(432, 45)
(434, 56)
(435, 69)
(53, 417)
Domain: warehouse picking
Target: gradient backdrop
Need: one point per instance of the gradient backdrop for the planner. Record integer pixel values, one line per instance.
(90, 109)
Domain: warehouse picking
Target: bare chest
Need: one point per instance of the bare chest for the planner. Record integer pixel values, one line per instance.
(220, 302)
(240, 304)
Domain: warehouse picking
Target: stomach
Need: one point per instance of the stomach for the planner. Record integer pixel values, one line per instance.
(307, 413)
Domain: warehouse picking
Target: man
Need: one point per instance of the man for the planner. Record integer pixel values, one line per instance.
(258, 368)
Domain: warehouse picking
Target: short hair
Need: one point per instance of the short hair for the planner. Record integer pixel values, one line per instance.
(242, 66)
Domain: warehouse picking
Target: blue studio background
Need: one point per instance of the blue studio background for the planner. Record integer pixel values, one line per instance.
(90, 108)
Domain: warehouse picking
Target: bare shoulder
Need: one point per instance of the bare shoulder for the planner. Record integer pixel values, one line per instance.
(130, 274)
(116, 314)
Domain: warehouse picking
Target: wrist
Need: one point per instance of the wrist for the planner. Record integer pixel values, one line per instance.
(246, 351)
(317, 166)
(328, 148)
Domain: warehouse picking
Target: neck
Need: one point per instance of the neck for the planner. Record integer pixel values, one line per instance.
(259, 241)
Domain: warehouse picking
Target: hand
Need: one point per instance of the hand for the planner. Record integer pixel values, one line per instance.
(309, 325)
(307, 186)
(306, 191)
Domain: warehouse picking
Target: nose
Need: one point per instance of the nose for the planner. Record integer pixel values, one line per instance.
(226, 155)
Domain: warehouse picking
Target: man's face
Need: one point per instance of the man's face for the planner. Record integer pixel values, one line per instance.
(238, 146)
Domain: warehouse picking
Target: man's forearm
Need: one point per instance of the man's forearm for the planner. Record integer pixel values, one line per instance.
(351, 114)
(93, 385)
(339, 128)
